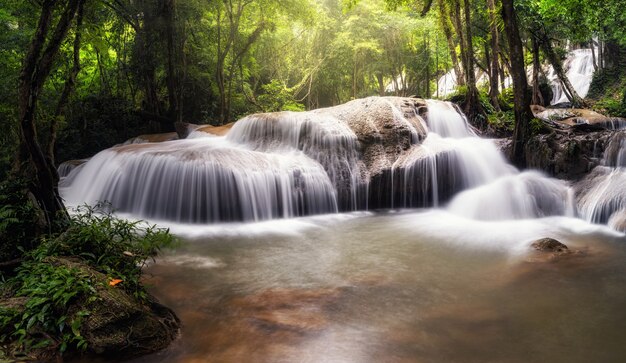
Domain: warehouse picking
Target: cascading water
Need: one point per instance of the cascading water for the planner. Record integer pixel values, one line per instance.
(367, 154)
(526, 195)
(203, 180)
(602, 194)
(579, 70)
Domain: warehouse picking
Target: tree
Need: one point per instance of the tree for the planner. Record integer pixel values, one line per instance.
(494, 68)
(36, 68)
(523, 114)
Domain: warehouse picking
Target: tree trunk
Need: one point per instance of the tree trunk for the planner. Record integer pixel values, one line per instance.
(381, 84)
(69, 86)
(473, 108)
(523, 114)
(173, 61)
(537, 98)
(35, 70)
(455, 15)
(593, 56)
(556, 63)
(495, 46)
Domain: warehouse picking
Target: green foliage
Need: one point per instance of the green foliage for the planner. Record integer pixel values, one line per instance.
(503, 122)
(116, 247)
(59, 295)
(49, 318)
(97, 122)
(506, 99)
(538, 127)
(18, 220)
(611, 107)
(278, 97)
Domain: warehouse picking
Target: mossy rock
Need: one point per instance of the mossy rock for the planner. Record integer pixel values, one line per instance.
(120, 325)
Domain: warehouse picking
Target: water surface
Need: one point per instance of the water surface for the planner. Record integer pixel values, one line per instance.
(393, 287)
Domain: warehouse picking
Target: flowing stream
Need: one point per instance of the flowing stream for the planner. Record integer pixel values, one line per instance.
(412, 242)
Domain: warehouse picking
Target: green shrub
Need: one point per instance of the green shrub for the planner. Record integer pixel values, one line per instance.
(47, 319)
(18, 220)
(502, 121)
(116, 247)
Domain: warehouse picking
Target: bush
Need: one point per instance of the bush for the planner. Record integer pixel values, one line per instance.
(19, 226)
(502, 122)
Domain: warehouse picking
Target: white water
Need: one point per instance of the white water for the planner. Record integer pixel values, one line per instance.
(579, 70)
(446, 120)
(289, 164)
(603, 194)
(203, 180)
(605, 198)
(578, 67)
(521, 196)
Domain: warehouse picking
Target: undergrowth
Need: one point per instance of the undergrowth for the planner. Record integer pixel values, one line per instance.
(55, 297)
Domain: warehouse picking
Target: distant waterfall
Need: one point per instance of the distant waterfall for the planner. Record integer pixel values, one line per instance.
(579, 70)
(578, 67)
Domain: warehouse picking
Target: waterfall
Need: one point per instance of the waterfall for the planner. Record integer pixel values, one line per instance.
(615, 153)
(579, 70)
(446, 120)
(203, 180)
(366, 154)
(526, 195)
(604, 194)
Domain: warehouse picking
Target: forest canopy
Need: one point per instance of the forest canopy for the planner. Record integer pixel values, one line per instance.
(124, 68)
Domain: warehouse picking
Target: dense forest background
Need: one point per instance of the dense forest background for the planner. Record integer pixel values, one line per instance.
(127, 67)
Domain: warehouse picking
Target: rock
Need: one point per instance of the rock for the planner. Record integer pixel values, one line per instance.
(67, 166)
(579, 118)
(549, 245)
(551, 250)
(215, 130)
(120, 326)
(567, 154)
(168, 136)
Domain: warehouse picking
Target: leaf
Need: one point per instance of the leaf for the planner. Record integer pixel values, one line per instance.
(114, 282)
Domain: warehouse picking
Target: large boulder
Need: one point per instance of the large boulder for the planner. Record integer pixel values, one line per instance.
(567, 154)
(578, 118)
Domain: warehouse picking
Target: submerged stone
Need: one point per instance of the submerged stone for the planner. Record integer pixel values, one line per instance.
(549, 245)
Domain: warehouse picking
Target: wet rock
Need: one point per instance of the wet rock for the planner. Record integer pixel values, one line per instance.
(146, 138)
(215, 130)
(549, 245)
(551, 250)
(67, 166)
(567, 154)
(578, 118)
